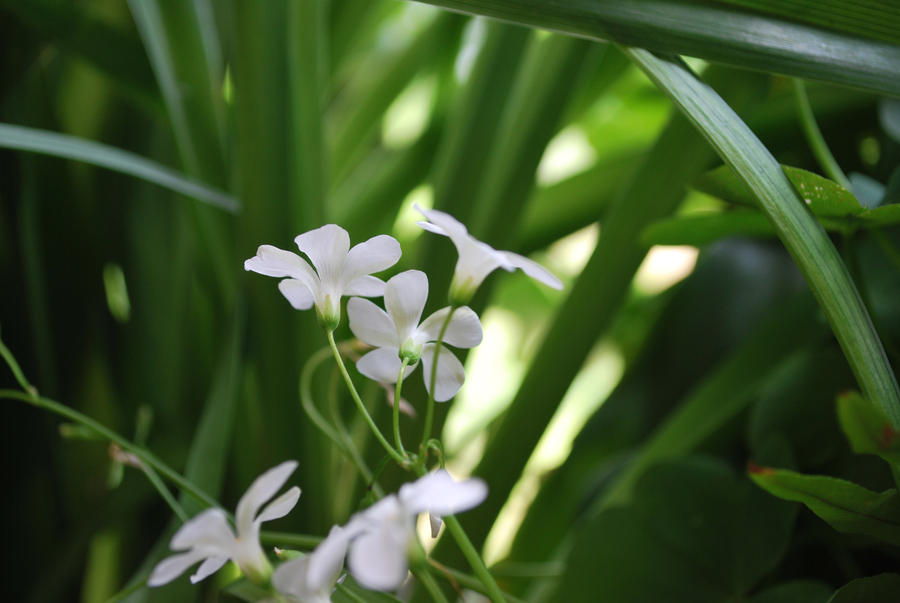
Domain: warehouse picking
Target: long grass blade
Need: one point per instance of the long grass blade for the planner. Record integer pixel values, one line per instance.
(798, 229)
(95, 153)
(711, 31)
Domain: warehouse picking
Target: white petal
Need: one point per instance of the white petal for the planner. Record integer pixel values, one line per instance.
(450, 373)
(272, 261)
(372, 324)
(326, 247)
(439, 494)
(326, 561)
(171, 567)
(262, 489)
(279, 507)
(290, 577)
(382, 365)
(404, 299)
(464, 330)
(431, 228)
(532, 269)
(377, 254)
(365, 286)
(208, 530)
(297, 293)
(476, 261)
(452, 227)
(377, 559)
(207, 568)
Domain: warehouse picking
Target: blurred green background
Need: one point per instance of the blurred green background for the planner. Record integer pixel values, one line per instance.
(613, 421)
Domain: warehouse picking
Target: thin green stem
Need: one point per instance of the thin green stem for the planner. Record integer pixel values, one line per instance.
(359, 403)
(17, 371)
(303, 541)
(432, 379)
(164, 492)
(398, 441)
(423, 573)
(815, 139)
(143, 454)
(462, 539)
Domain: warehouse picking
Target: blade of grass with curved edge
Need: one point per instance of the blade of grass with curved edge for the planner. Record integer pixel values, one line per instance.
(21, 138)
(803, 237)
(175, 42)
(678, 156)
(713, 32)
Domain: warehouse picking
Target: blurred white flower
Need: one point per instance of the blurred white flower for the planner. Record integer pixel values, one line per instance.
(397, 334)
(339, 270)
(209, 538)
(383, 534)
(311, 579)
(477, 259)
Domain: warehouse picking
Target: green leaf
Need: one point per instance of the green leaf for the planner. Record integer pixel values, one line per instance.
(867, 429)
(838, 207)
(708, 535)
(882, 588)
(95, 153)
(245, 590)
(717, 33)
(804, 238)
(846, 506)
(823, 196)
(701, 229)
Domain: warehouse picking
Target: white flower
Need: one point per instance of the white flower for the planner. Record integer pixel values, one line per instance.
(477, 259)
(311, 579)
(397, 333)
(339, 270)
(383, 533)
(209, 538)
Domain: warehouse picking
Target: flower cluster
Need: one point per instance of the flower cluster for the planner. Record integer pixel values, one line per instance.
(376, 541)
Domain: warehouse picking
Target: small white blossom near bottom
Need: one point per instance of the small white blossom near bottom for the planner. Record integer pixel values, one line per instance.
(381, 536)
(311, 579)
(209, 538)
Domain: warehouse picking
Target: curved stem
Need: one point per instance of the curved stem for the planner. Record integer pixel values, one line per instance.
(398, 441)
(432, 379)
(359, 403)
(143, 454)
(340, 437)
(814, 136)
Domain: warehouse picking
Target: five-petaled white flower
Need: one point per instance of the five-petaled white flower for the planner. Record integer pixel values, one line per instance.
(311, 579)
(383, 534)
(477, 259)
(397, 334)
(339, 270)
(209, 538)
